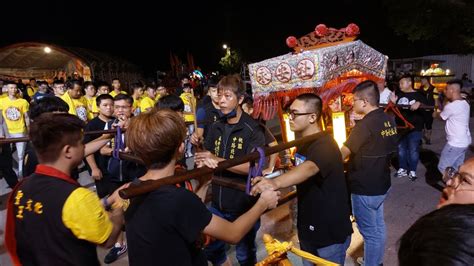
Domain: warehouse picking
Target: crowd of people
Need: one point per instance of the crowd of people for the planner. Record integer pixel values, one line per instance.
(170, 130)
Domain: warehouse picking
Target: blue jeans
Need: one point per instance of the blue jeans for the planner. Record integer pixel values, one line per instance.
(246, 249)
(334, 253)
(451, 156)
(368, 213)
(408, 150)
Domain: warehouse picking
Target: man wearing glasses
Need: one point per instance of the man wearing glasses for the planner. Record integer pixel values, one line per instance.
(324, 227)
(459, 185)
(120, 172)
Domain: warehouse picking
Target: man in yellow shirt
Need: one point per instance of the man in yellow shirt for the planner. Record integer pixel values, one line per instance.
(52, 220)
(15, 112)
(73, 97)
(137, 94)
(189, 102)
(161, 91)
(148, 101)
(116, 88)
(32, 88)
(91, 91)
(189, 116)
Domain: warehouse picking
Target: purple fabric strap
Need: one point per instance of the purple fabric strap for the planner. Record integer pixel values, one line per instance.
(255, 170)
(118, 144)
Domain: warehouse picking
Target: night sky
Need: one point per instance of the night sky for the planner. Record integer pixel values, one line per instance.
(144, 33)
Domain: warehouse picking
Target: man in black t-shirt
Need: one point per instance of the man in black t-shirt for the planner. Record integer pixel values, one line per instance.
(164, 226)
(98, 163)
(208, 111)
(409, 144)
(429, 91)
(370, 146)
(324, 227)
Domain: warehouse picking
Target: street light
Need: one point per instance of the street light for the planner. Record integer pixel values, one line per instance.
(226, 48)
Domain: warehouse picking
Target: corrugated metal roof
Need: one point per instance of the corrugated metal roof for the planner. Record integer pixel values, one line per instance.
(29, 60)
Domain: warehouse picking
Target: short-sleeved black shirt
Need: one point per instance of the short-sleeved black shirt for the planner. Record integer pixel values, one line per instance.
(323, 200)
(371, 142)
(429, 94)
(414, 117)
(163, 228)
(93, 125)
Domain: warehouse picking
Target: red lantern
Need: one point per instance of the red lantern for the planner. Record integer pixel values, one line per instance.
(291, 41)
(321, 30)
(352, 30)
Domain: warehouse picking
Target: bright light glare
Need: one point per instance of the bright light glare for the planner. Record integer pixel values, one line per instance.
(339, 127)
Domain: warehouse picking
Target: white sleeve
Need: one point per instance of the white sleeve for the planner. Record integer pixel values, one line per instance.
(447, 111)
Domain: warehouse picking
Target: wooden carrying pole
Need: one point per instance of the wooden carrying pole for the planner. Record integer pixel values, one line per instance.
(95, 132)
(407, 106)
(150, 185)
(226, 182)
(26, 139)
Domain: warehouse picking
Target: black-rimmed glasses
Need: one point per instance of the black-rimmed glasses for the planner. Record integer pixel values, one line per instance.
(293, 114)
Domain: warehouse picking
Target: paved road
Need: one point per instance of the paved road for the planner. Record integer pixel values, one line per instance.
(406, 202)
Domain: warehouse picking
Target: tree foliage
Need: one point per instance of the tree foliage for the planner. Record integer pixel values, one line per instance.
(447, 23)
(231, 62)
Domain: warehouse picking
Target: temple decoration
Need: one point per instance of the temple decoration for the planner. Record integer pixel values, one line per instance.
(328, 72)
(435, 70)
(328, 62)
